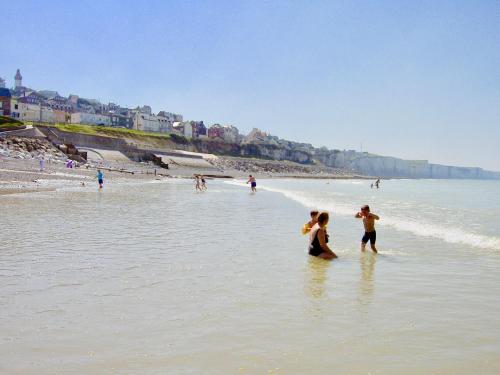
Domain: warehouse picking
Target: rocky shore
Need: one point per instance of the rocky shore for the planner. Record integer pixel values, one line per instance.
(273, 168)
(20, 170)
(29, 148)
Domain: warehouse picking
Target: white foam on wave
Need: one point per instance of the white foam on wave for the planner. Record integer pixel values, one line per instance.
(323, 204)
(449, 234)
(235, 183)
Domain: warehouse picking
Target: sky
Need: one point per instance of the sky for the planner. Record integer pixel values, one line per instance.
(412, 79)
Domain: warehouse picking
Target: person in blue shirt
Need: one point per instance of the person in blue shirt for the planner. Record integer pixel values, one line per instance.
(100, 178)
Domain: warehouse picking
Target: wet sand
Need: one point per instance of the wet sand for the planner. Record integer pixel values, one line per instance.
(24, 176)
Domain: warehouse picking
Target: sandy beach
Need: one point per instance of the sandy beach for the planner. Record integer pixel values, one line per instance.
(20, 168)
(18, 176)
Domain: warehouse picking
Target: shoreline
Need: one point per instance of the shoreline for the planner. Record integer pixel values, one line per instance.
(23, 176)
(21, 159)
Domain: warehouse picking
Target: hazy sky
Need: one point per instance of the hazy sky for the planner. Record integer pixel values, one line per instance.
(414, 79)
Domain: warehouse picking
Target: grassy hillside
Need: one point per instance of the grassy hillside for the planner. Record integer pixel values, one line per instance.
(106, 131)
(117, 132)
(8, 122)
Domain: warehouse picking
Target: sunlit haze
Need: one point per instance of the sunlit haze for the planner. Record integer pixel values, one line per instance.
(417, 80)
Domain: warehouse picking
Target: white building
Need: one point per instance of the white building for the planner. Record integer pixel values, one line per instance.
(90, 119)
(231, 134)
(184, 128)
(255, 136)
(32, 112)
(2, 82)
(47, 115)
(146, 109)
(173, 117)
(14, 108)
(29, 111)
(152, 123)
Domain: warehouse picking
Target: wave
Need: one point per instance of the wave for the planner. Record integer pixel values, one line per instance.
(449, 234)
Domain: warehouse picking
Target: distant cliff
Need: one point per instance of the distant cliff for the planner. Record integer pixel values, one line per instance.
(362, 163)
(254, 150)
(386, 166)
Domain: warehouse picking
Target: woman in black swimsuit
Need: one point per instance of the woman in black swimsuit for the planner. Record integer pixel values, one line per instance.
(318, 245)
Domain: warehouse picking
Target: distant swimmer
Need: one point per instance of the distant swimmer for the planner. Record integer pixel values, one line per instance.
(253, 183)
(377, 183)
(100, 178)
(318, 239)
(203, 182)
(306, 228)
(369, 224)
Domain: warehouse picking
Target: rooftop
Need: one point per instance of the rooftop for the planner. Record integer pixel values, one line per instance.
(5, 92)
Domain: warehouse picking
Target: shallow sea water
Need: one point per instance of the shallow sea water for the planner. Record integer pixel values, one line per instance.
(157, 279)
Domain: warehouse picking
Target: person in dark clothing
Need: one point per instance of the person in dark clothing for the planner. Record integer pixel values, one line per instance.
(318, 242)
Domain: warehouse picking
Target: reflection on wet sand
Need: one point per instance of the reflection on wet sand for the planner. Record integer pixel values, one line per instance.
(316, 275)
(366, 282)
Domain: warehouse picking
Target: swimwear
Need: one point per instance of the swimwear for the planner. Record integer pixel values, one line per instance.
(370, 236)
(254, 184)
(315, 247)
(100, 181)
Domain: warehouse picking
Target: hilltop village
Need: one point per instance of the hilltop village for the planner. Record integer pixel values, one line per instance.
(47, 108)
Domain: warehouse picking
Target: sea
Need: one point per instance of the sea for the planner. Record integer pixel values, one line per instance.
(156, 278)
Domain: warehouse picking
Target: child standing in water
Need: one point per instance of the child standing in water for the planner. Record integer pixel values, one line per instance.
(100, 178)
(369, 224)
(253, 183)
(306, 228)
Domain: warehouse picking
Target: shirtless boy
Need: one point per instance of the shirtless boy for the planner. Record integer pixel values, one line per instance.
(253, 183)
(369, 224)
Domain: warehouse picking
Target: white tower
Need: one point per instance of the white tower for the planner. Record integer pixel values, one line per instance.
(19, 79)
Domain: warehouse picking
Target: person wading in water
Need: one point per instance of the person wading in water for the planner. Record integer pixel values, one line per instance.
(318, 241)
(253, 183)
(369, 224)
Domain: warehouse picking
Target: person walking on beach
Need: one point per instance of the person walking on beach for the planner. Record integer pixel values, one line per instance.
(369, 224)
(197, 185)
(318, 239)
(377, 183)
(42, 162)
(306, 228)
(253, 183)
(203, 183)
(100, 178)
